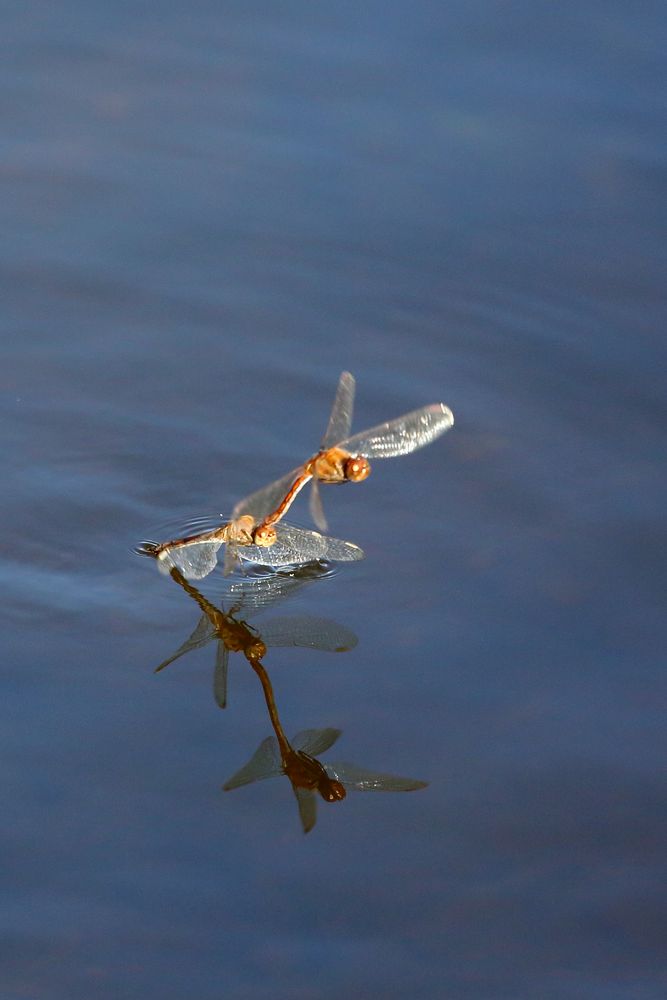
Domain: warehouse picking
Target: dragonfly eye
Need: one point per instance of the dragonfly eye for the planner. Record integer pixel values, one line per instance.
(357, 468)
(265, 535)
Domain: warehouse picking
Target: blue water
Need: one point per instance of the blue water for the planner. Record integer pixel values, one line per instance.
(208, 211)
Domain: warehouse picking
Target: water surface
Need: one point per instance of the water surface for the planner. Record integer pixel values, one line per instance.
(207, 215)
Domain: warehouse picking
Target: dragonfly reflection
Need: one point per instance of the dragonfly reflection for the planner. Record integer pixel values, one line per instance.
(343, 459)
(297, 759)
(195, 556)
(234, 635)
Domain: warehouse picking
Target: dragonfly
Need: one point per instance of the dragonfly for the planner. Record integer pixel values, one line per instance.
(344, 459)
(196, 556)
(298, 760)
(234, 635)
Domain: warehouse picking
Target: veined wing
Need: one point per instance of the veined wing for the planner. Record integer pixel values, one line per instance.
(264, 763)
(315, 741)
(251, 596)
(265, 500)
(298, 545)
(202, 635)
(315, 506)
(363, 780)
(309, 632)
(307, 807)
(220, 674)
(340, 420)
(194, 560)
(402, 435)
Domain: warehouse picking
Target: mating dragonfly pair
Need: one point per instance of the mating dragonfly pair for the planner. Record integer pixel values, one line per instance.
(256, 532)
(298, 758)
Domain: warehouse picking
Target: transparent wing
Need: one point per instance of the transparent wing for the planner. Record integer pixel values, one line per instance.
(307, 631)
(230, 561)
(403, 435)
(315, 741)
(363, 780)
(195, 560)
(340, 420)
(265, 500)
(253, 595)
(200, 637)
(220, 674)
(315, 506)
(264, 763)
(298, 545)
(307, 807)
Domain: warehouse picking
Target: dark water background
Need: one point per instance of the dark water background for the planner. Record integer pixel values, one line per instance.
(208, 211)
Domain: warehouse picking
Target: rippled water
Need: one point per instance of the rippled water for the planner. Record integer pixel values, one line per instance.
(208, 212)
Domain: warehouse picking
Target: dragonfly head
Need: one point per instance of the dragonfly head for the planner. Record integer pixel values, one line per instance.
(357, 468)
(331, 790)
(256, 651)
(265, 535)
(148, 549)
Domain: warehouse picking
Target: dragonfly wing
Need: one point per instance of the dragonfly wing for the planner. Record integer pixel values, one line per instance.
(340, 420)
(264, 763)
(252, 596)
(230, 561)
(315, 741)
(194, 561)
(220, 674)
(265, 500)
(298, 545)
(276, 555)
(307, 631)
(402, 435)
(363, 780)
(307, 807)
(201, 635)
(315, 506)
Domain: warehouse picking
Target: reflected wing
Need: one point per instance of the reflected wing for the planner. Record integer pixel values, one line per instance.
(297, 545)
(201, 635)
(307, 807)
(309, 632)
(315, 506)
(194, 561)
(362, 780)
(253, 595)
(264, 763)
(315, 741)
(340, 420)
(265, 500)
(403, 435)
(220, 674)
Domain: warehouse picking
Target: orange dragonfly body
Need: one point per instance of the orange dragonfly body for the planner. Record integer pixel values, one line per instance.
(344, 459)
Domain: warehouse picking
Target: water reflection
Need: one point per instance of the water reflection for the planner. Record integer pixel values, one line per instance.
(296, 759)
(234, 635)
